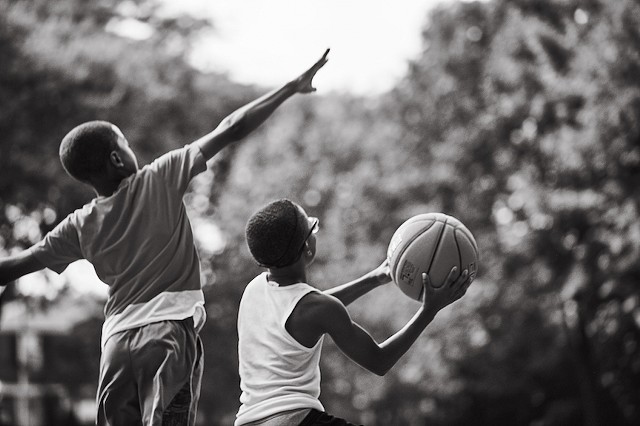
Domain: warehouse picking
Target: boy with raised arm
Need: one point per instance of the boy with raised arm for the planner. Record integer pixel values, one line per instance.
(283, 320)
(138, 237)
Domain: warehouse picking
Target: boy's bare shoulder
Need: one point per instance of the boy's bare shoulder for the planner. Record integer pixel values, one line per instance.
(317, 304)
(315, 314)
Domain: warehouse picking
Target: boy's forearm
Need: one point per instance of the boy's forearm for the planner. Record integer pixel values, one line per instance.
(355, 289)
(397, 345)
(16, 266)
(8, 271)
(249, 117)
(244, 120)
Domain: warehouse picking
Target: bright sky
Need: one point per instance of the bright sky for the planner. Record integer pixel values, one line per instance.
(269, 42)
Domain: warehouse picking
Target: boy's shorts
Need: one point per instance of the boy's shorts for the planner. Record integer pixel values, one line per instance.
(151, 375)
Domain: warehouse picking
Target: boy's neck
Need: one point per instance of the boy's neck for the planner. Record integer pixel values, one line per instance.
(288, 275)
(106, 188)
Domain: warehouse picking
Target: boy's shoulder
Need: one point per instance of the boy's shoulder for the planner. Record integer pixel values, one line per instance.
(76, 216)
(315, 315)
(319, 304)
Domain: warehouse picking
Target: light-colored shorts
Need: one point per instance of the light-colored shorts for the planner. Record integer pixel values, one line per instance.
(151, 376)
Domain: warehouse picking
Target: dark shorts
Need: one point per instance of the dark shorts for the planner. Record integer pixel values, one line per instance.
(320, 418)
(151, 375)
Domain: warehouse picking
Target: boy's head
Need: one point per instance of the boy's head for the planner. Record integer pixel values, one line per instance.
(91, 150)
(276, 234)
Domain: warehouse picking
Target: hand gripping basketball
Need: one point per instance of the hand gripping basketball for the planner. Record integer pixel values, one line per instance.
(454, 288)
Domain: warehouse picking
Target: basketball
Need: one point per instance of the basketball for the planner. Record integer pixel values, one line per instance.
(432, 243)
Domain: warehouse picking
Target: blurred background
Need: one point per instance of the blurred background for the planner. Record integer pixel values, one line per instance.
(521, 118)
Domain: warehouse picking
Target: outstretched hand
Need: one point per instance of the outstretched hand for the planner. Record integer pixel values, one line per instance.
(452, 289)
(304, 83)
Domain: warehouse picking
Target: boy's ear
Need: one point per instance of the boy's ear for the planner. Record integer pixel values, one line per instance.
(115, 159)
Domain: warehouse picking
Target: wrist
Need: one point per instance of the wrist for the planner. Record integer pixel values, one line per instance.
(291, 88)
(375, 279)
(429, 311)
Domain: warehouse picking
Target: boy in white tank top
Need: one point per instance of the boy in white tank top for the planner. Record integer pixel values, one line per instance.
(282, 322)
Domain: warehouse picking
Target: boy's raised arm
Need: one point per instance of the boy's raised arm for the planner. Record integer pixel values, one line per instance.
(357, 344)
(247, 118)
(18, 265)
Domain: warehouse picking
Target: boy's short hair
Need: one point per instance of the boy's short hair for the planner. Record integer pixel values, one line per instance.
(85, 150)
(276, 234)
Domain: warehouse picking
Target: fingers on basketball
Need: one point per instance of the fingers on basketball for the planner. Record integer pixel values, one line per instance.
(451, 278)
(386, 271)
(462, 284)
(427, 288)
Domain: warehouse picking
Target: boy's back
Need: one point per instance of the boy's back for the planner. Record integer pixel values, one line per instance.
(277, 373)
(140, 243)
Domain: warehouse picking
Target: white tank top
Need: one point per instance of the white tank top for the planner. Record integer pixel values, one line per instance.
(277, 373)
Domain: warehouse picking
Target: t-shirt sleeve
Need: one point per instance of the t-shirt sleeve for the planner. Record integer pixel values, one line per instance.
(179, 166)
(60, 247)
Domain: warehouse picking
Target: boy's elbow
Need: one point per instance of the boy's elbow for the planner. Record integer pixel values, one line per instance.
(236, 131)
(380, 368)
(235, 127)
(381, 371)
